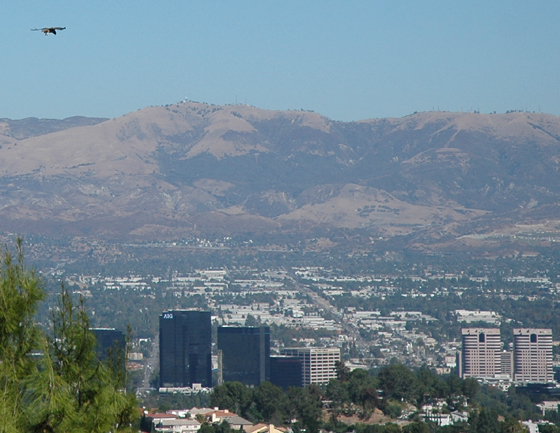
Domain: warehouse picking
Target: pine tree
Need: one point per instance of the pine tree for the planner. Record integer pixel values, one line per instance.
(74, 391)
(64, 387)
(20, 292)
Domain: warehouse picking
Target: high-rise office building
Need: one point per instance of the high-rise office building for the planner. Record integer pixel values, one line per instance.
(286, 371)
(318, 364)
(481, 354)
(109, 342)
(532, 355)
(245, 354)
(185, 348)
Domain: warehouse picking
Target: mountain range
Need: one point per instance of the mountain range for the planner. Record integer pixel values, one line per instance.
(432, 180)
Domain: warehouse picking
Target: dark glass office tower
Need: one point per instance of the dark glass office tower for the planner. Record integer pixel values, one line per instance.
(245, 354)
(109, 341)
(286, 371)
(185, 348)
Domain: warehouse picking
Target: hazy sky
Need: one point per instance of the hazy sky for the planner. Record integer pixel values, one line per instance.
(348, 60)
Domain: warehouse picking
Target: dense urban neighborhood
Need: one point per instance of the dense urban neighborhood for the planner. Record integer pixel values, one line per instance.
(402, 317)
(370, 342)
(335, 309)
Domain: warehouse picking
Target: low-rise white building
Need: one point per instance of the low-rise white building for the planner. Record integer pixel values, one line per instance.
(178, 425)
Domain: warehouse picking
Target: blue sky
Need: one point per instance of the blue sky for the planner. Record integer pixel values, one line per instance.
(348, 60)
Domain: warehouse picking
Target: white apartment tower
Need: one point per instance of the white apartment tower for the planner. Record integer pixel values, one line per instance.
(532, 353)
(318, 364)
(481, 355)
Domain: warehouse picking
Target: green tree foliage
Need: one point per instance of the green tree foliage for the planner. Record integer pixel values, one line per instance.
(512, 425)
(393, 410)
(169, 401)
(430, 385)
(206, 428)
(355, 392)
(20, 292)
(552, 416)
(398, 382)
(269, 403)
(391, 428)
(64, 387)
(73, 391)
(416, 427)
(508, 404)
(342, 371)
(223, 427)
(267, 397)
(251, 321)
(548, 428)
(484, 421)
(353, 389)
(233, 396)
(471, 387)
(337, 393)
(376, 428)
(306, 404)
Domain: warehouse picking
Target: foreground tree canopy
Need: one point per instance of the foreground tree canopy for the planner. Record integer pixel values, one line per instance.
(52, 381)
(353, 400)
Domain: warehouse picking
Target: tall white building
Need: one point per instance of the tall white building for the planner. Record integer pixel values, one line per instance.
(532, 355)
(318, 364)
(481, 354)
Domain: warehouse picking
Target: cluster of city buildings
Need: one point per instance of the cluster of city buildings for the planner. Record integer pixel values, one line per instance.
(482, 355)
(185, 355)
(244, 355)
(311, 299)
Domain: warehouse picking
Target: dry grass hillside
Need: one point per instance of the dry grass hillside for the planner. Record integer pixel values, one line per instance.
(436, 179)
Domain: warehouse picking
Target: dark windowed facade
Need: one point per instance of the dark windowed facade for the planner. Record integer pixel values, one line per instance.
(286, 371)
(185, 348)
(245, 354)
(109, 342)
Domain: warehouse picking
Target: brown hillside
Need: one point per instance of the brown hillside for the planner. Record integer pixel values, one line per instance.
(434, 177)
